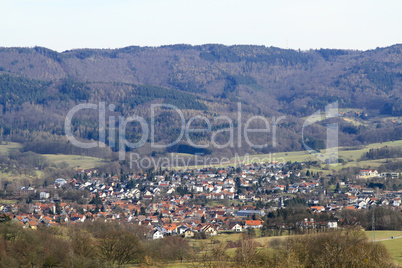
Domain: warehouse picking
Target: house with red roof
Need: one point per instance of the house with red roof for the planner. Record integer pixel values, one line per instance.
(317, 208)
(367, 173)
(255, 224)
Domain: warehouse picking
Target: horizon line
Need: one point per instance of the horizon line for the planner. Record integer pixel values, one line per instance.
(198, 45)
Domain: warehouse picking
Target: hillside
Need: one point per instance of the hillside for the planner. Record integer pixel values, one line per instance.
(39, 86)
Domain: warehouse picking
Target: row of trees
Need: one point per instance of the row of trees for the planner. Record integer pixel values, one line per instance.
(95, 244)
(284, 220)
(108, 244)
(382, 153)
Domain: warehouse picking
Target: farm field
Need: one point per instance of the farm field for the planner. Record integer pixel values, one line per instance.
(6, 147)
(379, 235)
(394, 246)
(76, 161)
(349, 154)
(73, 161)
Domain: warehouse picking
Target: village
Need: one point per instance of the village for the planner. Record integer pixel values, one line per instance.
(198, 203)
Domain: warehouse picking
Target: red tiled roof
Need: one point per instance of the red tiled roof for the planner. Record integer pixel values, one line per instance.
(253, 223)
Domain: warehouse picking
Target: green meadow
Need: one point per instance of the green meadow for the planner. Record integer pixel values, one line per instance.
(350, 154)
(394, 246)
(73, 161)
(76, 161)
(6, 147)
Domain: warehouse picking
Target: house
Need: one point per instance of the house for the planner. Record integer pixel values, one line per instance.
(396, 202)
(181, 229)
(392, 175)
(154, 219)
(160, 229)
(157, 235)
(280, 187)
(253, 224)
(32, 225)
(228, 194)
(317, 208)
(77, 217)
(60, 181)
(355, 189)
(198, 189)
(44, 195)
(157, 191)
(147, 197)
(314, 201)
(209, 230)
(368, 191)
(332, 225)
(367, 173)
(170, 228)
(306, 224)
(292, 190)
(136, 193)
(242, 196)
(189, 233)
(246, 213)
(235, 227)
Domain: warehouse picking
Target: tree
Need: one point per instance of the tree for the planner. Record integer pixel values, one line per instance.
(58, 208)
(246, 252)
(96, 200)
(39, 248)
(119, 245)
(84, 249)
(171, 248)
(338, 187)
(142, 211)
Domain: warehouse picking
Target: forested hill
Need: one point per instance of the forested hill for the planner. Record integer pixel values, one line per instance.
(38, 86)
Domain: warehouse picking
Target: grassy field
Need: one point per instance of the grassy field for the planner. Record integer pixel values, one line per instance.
(76, 161)
(10, 176)
(7, 201)
(394, 246)
(346, 110)
(6, 147)
(353, 121)
(390, 118)
(379, 235)
(343, 151)
(340, 110)
(72, 160)
(300, 156)
(350, 155)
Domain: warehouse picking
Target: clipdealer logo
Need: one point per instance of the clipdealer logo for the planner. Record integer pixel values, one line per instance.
(242, 130)
(186, 129)
(331, 151)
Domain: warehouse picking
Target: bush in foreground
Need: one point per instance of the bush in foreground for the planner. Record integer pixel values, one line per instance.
(332, 249)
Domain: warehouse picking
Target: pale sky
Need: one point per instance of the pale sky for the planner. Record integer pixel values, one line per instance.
(67, 24)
